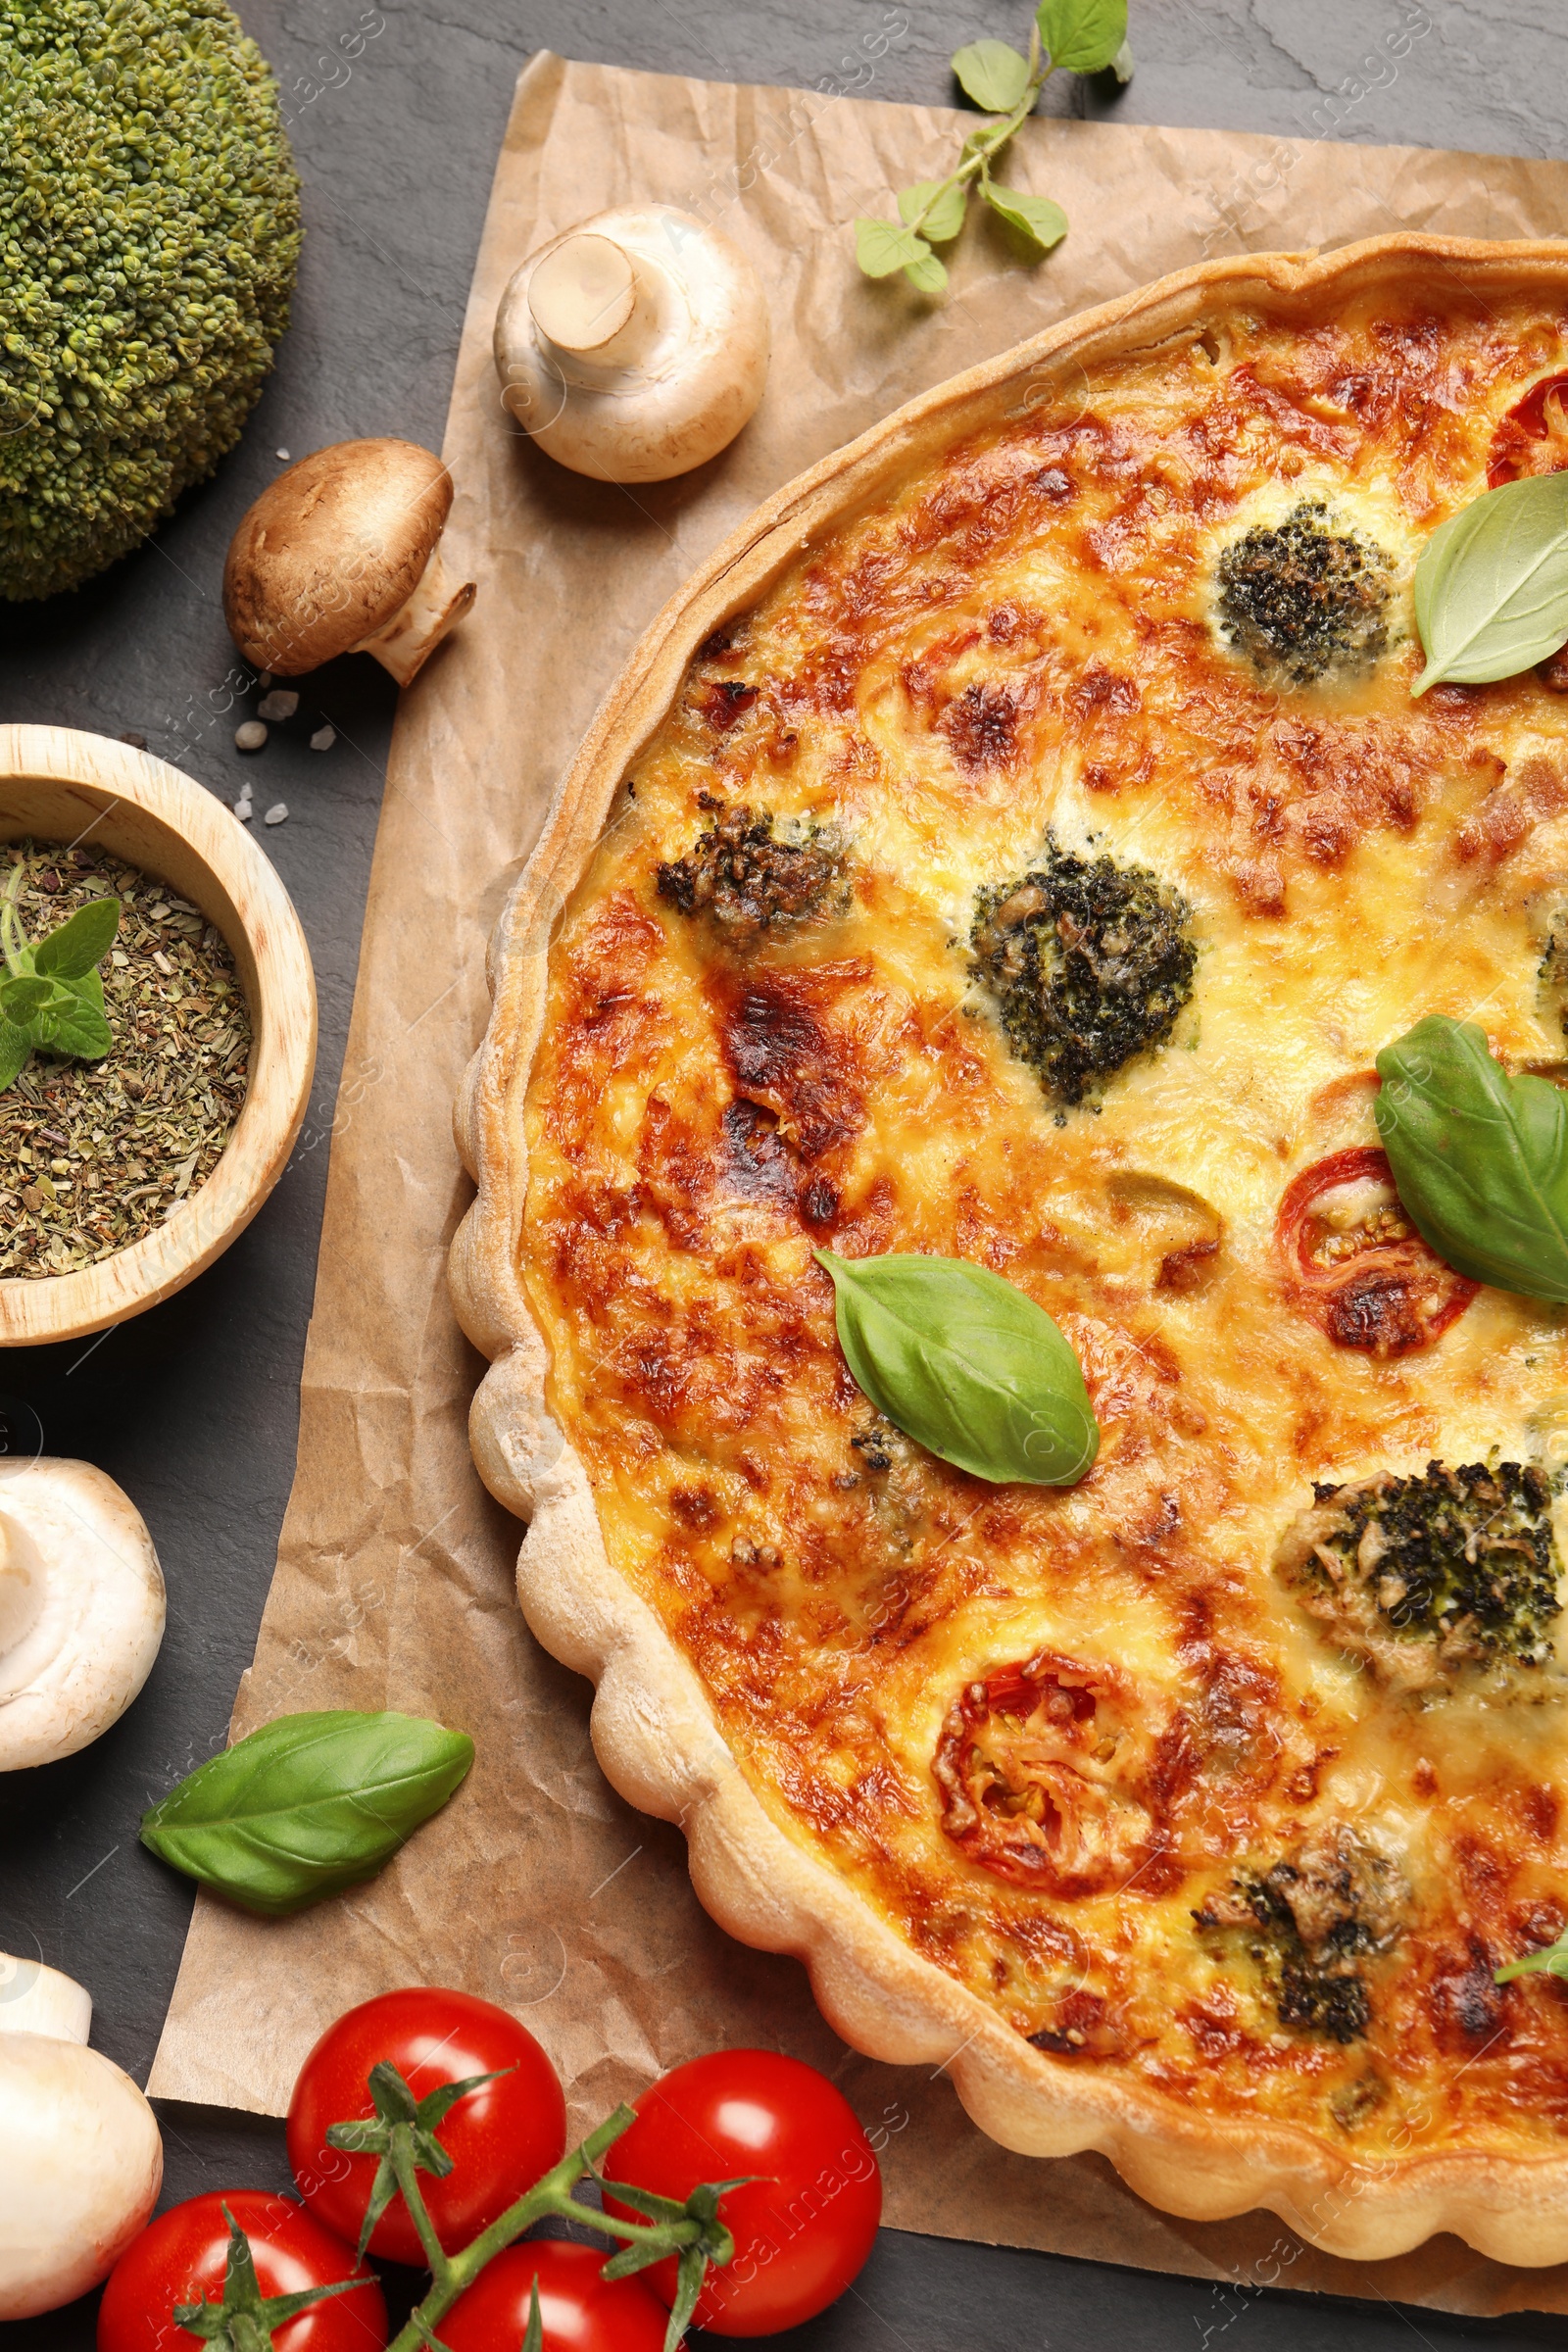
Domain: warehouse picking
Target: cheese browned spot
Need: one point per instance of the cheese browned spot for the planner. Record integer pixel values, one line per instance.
(1037, 1730)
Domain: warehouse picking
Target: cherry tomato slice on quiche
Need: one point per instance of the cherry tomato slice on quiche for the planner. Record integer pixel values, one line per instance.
(1355, 1262)
(807, 2218)
(500, 2137)
(580, 2310)
(181, 2258)
(1532, 437)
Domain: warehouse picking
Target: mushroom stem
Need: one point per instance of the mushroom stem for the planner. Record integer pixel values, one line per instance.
(583, 293)
(416, 628)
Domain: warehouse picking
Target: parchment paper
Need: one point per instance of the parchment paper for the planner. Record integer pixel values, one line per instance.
(538, 1887)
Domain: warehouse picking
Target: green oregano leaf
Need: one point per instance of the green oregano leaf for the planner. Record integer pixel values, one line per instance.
(51, 996)
(946, 216)
(992, 74)
(1083, 36)
(967, 1364)
(1036, 216)
(1550, 1961)
(883, 245)
(1492, 585)
(81, 942)
(926, 273)
(308, 1805)
(1480, 1159)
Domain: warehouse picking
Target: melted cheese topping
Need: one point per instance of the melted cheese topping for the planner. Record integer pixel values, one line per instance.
(1025, 641)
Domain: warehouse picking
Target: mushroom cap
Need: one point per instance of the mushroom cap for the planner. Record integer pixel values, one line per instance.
(331, 550)
(674, 384)
(81, 1610)
(80, 2165)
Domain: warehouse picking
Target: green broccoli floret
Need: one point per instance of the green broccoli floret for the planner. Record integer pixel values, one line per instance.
(1425, 1577)
(1304, 598)
(1090, 964)
(149, 232)
(1312, 1921)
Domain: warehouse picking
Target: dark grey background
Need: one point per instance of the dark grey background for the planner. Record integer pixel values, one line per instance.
(193, 1407)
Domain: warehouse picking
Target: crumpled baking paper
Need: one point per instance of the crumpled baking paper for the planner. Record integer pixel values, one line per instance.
(538, 1887)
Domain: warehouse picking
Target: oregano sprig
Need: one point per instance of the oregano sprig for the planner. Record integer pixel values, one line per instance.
(1083, 37)
(51, 996)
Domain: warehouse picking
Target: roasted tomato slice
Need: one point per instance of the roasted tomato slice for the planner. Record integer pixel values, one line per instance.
(1043, 1777)
(1355, 1262)
(1532, 437)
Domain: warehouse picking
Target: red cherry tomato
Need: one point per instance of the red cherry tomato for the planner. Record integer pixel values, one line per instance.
(181, 2258)
(501, 2138)
(1532, 437)
(580, 2311)
(1355, 1262)
(808, 2219)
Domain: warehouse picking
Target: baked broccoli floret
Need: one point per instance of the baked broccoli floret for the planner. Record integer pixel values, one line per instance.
(1090, 964)
(750, 882)
(1308, 1924)
(149, 231)
(1425, 1577)
(1303, 597)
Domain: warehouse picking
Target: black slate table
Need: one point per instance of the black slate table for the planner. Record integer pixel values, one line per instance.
(194, 1407)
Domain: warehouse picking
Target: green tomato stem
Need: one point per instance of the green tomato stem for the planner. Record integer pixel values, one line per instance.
(452, 2273)
(402, 2165)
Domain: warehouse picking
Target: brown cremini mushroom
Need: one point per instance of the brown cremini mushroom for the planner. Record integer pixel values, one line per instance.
(340, 555)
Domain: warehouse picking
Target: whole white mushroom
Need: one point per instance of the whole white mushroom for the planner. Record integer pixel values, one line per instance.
(81, 1609)
(634, 347)
(80, 2158)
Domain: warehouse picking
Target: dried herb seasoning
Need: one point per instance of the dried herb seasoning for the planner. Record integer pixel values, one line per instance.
(93, 1155)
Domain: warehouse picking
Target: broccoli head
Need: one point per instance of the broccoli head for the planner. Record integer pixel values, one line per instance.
(1311, 1921)
(1090, 964)
(750, 882)
(149, 232)
(1426, 1576)
(1303, 599)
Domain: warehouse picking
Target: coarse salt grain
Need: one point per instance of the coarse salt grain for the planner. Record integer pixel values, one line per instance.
(279, 704)
(278, 815)
(250, 735)
(323, 739)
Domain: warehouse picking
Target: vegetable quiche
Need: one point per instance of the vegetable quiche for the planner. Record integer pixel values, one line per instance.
(1017, 848)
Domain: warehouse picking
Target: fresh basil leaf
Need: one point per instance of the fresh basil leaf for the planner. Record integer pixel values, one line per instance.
(1491, 586)
(882, 246)
(80, 943)
(1550, 1961)
(15, 1046)
(992, 74)
(967, 1364)
(1083, 36)
(1038, 218)
(1480, 1159)
(945, 218)
(307, 1806)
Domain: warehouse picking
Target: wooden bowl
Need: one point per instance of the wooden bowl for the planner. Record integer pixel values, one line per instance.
(64, 786)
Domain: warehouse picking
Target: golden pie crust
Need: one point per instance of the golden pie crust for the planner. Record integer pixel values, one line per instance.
(1024, 1773)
